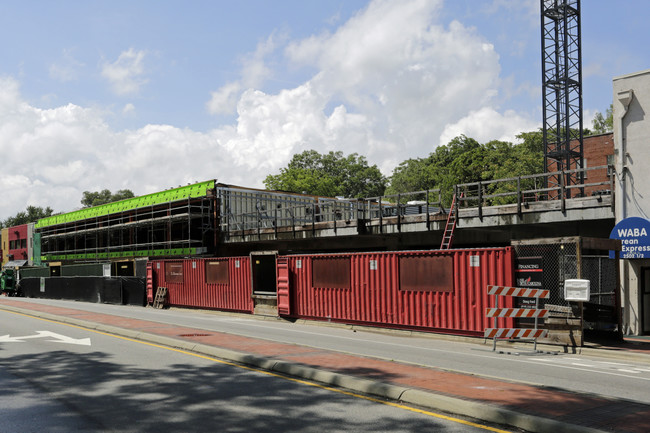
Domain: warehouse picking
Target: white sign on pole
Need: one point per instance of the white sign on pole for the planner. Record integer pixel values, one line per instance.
(577, 290)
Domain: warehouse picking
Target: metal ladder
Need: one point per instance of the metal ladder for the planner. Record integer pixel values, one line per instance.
(448, 235)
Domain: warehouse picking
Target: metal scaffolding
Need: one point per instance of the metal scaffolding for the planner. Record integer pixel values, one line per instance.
(181, 227)
(562, 91)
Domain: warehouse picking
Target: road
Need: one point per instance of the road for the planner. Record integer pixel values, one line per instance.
(618, 378)
(61, 378)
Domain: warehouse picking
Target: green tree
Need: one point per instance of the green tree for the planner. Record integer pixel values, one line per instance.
(508, 161)
(122, 194)
(30, 215)
(90, 199)
(603, 124)
(329, 175)
(411, 175)
(460, 161)
(464, 160)
(532, 142)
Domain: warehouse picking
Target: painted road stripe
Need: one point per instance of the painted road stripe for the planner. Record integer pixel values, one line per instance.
(291, 379)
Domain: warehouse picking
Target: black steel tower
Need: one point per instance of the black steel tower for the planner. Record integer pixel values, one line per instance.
(562, 92)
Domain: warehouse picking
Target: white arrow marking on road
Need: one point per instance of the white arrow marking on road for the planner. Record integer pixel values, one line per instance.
(58, 338)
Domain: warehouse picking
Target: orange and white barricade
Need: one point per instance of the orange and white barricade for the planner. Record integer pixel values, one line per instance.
(528, 313)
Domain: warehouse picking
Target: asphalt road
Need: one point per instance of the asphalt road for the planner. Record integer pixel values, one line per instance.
(61, 378)
(618, 378)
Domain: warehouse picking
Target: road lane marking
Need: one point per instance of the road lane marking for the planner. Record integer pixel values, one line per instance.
(598, 371)
(548, 362)
(309, 383)
(58, 338)
(280, 376)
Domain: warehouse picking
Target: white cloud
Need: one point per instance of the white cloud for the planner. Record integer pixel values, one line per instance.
(48, 153)
(271, 128)
(9, 97)
(126, 73)
(390, 84)
(253, 74)
(588, 117)
(408, 75)
(488, 124)
(53, 155)
(128, 109)
(224, 100)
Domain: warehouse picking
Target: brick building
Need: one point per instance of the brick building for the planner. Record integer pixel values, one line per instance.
(16, 245)
(598, 152)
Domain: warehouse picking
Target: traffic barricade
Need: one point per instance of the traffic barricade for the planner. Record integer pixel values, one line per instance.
(528, 313)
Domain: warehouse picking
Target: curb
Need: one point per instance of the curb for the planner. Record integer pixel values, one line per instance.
(414, 396)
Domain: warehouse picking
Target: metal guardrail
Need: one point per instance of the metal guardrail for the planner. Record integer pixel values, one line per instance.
(326, 210)
(534, 188)
(520, 190)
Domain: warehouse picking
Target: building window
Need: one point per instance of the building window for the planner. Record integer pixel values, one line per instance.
(582, 166)
(610, 165)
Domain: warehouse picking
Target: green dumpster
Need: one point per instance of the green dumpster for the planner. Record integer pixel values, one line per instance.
(8, 282)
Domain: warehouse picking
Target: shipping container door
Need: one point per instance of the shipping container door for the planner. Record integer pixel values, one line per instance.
(284, 295)
(149, 283)
(263, 273)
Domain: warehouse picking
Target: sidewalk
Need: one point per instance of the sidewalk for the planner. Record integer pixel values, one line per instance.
(527, 407)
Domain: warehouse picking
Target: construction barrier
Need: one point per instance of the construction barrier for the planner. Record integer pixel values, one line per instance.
(108, 290)
(528, 313)
(525, 313)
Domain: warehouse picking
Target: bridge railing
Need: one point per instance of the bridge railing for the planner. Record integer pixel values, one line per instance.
(323, 210)
(520, 190)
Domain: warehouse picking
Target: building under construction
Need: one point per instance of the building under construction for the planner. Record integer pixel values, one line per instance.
(179, 222)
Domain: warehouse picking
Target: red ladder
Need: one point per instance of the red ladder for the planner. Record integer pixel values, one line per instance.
(448, 235)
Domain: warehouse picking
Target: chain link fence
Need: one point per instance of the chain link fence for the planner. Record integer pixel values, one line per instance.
(601, 271)
(546, 264)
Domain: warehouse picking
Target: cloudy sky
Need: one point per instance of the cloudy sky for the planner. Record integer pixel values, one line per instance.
(149, 95)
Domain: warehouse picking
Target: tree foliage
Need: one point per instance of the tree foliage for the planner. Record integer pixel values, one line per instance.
(30, 215)
(603, 124)
(329, 175)
(90, 199)
(464, 160)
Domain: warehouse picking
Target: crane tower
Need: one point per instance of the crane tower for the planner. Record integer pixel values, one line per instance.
(562, 92)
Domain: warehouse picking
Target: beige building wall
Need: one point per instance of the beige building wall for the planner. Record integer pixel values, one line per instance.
(631, 105)
(4, 234)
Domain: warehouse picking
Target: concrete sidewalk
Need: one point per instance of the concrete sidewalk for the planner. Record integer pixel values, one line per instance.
(527, 407)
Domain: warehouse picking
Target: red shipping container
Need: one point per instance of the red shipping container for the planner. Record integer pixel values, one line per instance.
(441, 290)
(222, 283)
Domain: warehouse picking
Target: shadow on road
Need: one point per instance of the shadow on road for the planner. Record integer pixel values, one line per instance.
(183, 397)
